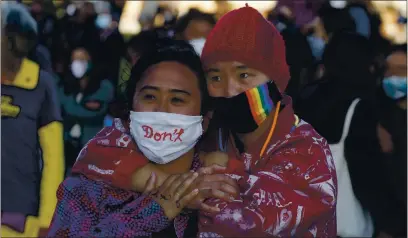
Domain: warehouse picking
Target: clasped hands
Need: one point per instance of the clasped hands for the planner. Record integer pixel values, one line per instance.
(189, 190)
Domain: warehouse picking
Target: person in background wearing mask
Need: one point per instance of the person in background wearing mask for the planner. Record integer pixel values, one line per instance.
(392, 128)
(32, 154)
(194, 25)
(84, 98)
(105, 23)
(341, 109)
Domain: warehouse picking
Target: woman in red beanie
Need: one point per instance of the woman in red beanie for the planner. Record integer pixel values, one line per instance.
(284, 168)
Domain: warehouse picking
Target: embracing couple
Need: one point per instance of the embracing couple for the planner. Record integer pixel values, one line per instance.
(256, 171)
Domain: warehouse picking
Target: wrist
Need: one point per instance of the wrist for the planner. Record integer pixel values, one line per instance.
(161, 203)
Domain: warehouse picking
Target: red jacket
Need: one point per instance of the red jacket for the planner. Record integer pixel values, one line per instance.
(290, 191)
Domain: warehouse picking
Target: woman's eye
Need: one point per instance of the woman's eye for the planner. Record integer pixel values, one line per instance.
(244, 75)
(149, 97)
(216, 78)
(177, 100)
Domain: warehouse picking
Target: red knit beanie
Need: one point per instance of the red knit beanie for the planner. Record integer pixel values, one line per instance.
(244, 35)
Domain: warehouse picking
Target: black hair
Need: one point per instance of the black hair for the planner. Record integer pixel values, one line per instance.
(169, 50)
(142, 42)
(194, 14)
(348, 59)
(397, 48)
(336, 20)
(348, 51)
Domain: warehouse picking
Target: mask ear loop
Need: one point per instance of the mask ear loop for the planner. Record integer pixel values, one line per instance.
(268, 139)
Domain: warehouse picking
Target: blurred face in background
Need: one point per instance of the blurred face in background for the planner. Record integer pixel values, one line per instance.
(228, 79)
(120, 3)
(37, 10)
(197, 29)
(396, 64)
(85, 11)
(80, 63)
(395, 78)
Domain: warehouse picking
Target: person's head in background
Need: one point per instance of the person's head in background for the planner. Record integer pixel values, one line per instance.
(85, 13)
(167, 90)
(104, 19)
(139, 44)
(244, 55)
(19, 36)
(394, 83)
(194, 25)
(348, 63)
(282, 17)
(82, 75)
(299, 13)
(336, 18)
(117, 8)
(37, 10)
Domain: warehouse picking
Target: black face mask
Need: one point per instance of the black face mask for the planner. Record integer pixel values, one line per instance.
(246, 111)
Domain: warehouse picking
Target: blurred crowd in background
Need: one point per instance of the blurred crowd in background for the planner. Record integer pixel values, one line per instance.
(89, 50)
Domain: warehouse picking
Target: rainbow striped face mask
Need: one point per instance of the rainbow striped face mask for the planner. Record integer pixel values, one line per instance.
(246, 111)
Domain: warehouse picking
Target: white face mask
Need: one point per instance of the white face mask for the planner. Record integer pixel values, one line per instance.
(163, 137)
(198, 45)
(79, 68)
(338, 4)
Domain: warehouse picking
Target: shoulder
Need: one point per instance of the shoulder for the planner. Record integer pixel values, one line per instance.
(304, 161)
(365, 107)
(364, 120)
(106, 85)
(303, 149)
(47, 80)
(105, 90)
(76, 187)
(300, 139)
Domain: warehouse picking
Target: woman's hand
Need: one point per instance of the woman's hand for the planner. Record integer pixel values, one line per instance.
(211, 184)
(217, 157)
(170, 195)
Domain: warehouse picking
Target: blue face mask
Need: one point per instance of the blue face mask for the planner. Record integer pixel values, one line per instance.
(103, 21)
(395, 87)
(317, 46)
